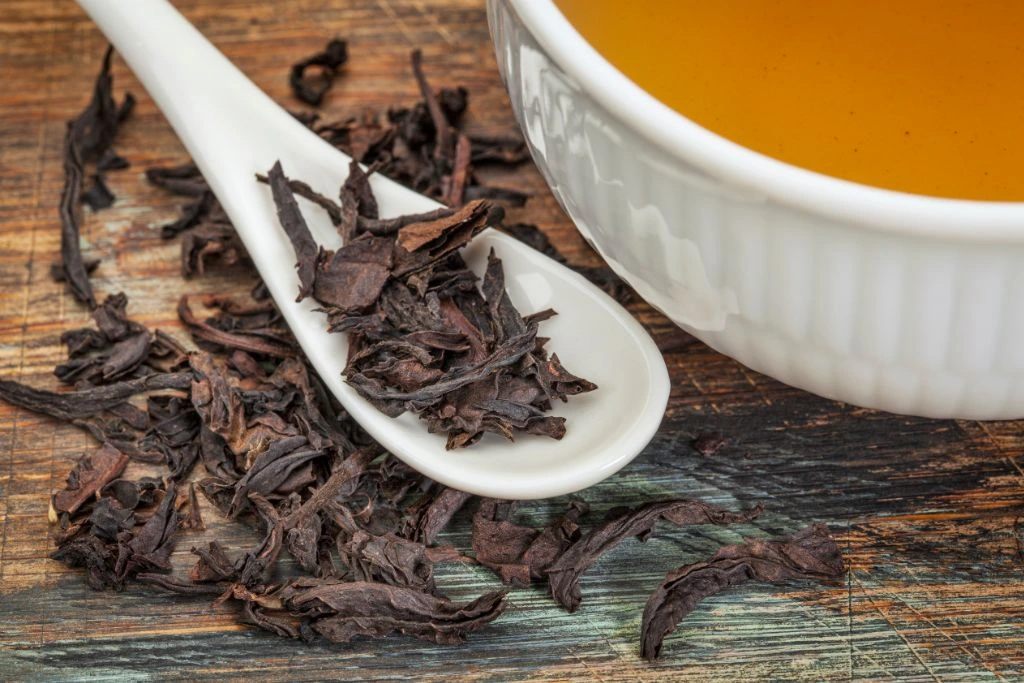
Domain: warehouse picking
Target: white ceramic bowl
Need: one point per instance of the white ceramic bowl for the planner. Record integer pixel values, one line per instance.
(883, 299)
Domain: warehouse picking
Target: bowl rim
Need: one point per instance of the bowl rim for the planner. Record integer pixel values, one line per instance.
(891, 211)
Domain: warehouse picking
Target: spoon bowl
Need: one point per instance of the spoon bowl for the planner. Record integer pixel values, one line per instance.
(233, 131)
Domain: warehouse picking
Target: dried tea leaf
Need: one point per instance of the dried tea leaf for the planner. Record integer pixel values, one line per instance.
(70, 405)
(149, 547)
(98, 196)
(271, 469)
(709, 443)
(183, 180)
(310, 89)
(389, 559)
(441, 125)
(339, 610)
(414, 236)
(295, 227)
(810, 554)
(87, 140)
(189, 514)
(565, 573)
(92, 554)
(306, 192)
(108, 519)
(427, 522)
(73, 267)
(352, 278)
(231, 340)
(91, 473)
(520, 554)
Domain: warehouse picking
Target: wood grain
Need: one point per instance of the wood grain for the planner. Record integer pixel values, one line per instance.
(929, 512)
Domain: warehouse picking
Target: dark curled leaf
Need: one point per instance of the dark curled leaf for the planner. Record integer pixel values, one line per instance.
(503, 357)
(276, 623)
(189, 514)
(505, 319)
(310, 89)
(429, 520)
(219, 404)
(75, 273)
(306, 192)
(461, 171)
(303, 542)
(178, 585)
(326, 427)
(71, 405)
(350, 468)
(352, 278)
(98, 196)
(564, 574)
(271, 469)
(709, 443)
(126, 356)
(508, 150)
(95, 556)
(149, 548)
(57, 269)
(357, 191)
(388, 226)
(442, 127)
(339, 611)
(257, 563)
(109, 160)
(520, 553)
(208, 241)
(183, 180)
(810, 554)
(108, 519)
(213, 565)
(505, 195)
(94, 129)
(303, 526)
(230, 340)
(174, 432)
(87, 140)
(218, 460)
(111, 319)
(91, 473)
(192, 216)
(124, 491)
(123, 112)
(389, 559)
(554, 539)
(295, 227)
(414, 236)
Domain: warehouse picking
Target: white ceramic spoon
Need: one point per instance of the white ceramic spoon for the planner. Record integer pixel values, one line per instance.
(233, 130)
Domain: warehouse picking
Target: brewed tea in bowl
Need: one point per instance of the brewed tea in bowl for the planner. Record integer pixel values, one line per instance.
(912, 96)
(855, 277)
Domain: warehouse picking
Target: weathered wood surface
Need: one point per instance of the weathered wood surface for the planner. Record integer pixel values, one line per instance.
(929, 512)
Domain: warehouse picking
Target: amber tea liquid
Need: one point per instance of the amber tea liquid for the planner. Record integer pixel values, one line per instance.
(923, 96)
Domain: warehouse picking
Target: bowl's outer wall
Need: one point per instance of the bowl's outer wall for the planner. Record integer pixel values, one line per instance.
(920, 325)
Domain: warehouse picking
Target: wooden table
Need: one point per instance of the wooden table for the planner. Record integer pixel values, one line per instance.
(928, 512)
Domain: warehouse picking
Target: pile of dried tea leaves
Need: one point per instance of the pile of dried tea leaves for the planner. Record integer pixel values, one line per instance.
(422, 336)
(240, 417)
